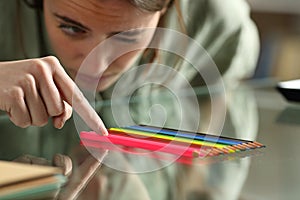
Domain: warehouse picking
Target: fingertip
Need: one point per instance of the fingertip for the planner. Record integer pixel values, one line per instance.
(63, 162)
(103, 131)
(58, 122)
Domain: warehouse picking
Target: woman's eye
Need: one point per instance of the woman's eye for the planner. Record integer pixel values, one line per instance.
(72, 30)
(127, 40)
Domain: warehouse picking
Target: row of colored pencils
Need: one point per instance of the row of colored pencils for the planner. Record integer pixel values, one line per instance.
(155, 139)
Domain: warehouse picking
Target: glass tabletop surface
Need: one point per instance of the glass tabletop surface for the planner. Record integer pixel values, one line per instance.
(253, 111)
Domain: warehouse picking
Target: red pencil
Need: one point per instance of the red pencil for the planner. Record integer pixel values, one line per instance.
(187, 151)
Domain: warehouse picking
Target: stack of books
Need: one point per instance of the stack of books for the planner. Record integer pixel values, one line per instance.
(24, 181)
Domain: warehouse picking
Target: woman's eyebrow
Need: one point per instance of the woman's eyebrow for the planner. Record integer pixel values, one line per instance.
(68, 20)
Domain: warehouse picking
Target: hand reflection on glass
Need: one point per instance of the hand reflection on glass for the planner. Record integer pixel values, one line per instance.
(79, 178)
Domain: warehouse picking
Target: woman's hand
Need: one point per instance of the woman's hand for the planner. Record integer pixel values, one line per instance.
(34, 90)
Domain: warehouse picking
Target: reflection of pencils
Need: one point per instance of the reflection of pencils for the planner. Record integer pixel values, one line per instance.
(145, 144)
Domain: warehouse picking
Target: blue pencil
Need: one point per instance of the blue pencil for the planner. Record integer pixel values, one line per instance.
(185, 134)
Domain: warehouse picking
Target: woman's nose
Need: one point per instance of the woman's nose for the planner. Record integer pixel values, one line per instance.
(97, 55)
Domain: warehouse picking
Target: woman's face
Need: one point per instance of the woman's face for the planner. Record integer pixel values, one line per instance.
(76, 27)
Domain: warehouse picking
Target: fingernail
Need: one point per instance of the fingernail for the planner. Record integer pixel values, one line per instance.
(103, 131)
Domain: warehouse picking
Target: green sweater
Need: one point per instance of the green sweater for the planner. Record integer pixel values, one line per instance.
(223, 29)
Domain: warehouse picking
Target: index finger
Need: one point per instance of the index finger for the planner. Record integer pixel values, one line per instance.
(73, 96)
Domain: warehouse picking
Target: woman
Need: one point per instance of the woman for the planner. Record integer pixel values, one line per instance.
(34, 88)
(41, 88)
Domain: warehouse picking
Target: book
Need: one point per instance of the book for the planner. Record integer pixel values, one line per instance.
(24, 181)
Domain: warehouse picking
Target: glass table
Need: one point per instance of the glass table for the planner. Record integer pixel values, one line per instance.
(254, 111)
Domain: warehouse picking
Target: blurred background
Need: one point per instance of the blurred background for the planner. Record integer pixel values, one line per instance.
(278, 22)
